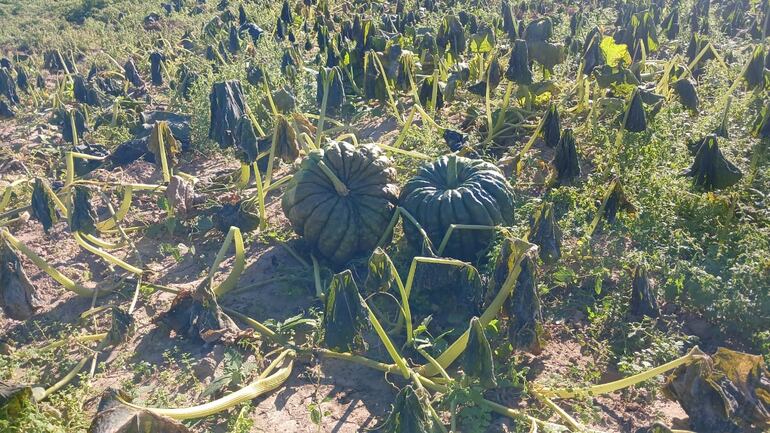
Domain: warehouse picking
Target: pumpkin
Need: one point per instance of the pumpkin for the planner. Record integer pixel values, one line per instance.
(457, 190)
(341, 200)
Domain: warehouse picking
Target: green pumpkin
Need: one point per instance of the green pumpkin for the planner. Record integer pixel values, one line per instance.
(457, 190)
(341, 200)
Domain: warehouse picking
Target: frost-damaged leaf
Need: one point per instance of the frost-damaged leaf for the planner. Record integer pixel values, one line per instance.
(343, 315)
(82, 215)
(197, 315)
(410, 414)
(637, 118)
(483, 41)
(451, 34)
(228, 105)
(5, 110)
(545, 233)
(114, 417)
(17, 294)
(381, 276)
(156, 68)
(84, 92)
(62, 118)
(711, 170)
(42, 208)
(85, 166)
(132, 74)
(477, 359)
(688, 95)
(8, 86)
(615, 200)
(181, 196)
(457, 291)
(14, 399)
(121, 327)
(241, 214)
(566, 160)
(426, 93)
(643, 302)
(755, 71)
(728, 392)
(547, 54)
(552, 126)
(614, 54)
(247, 142)
(287, 146)
(518, 66)
(525, 328)
(331, 77)
(761, 127)
(593, 56)
(170, 144)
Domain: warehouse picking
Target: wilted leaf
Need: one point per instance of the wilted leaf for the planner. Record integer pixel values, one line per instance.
(525, 327)
(17, 294)
(614, 53)
(42, 208)
(343, 315)
(643, 302)
(477, 359)
(82, 215)
(409, 415)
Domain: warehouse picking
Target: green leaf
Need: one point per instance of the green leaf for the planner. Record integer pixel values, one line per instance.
(482, 42)
(615, 53)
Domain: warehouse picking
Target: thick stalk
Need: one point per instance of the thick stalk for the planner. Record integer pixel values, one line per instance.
(339, 186)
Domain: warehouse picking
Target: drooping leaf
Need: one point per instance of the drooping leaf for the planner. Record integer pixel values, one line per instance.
(409, 414)
(545, 233)
(344, 316)
(551, 126)
(162, 133)
(121, 327)
(330, 79)
(228, 106)
(711, 170)
(593, 55)
(477, 359)
(82, 216)
(565, 160)
(381, 276)
(643, 301)
(287, 146)
(636, 118)
(525, 328)
(615, 199)
(241, 214)
(755, 71)
(17, 294)
(518, 66)
(42, 208)
(761, 128)
(483, 41)
(8, 86)
(180, 194)
(728, 392)
(197, 315)
(688, 95)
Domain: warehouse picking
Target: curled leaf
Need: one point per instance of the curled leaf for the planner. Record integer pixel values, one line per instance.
(17, 294)
(477, 359)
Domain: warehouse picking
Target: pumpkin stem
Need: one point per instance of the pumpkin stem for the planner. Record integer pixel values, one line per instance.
(340, 187)
(451, 173)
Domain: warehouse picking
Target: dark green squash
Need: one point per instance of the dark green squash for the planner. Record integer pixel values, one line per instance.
(341, 200)
(457, 190)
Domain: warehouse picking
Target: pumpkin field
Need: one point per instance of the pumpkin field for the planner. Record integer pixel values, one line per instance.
(396, 216)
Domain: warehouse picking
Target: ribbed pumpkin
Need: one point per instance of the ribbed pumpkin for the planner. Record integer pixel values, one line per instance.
(341, 200)
(457, 190)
